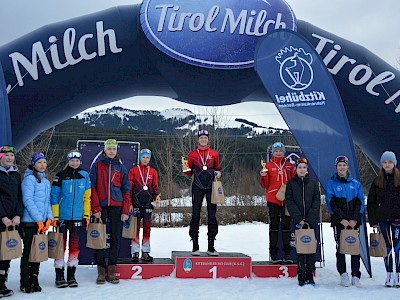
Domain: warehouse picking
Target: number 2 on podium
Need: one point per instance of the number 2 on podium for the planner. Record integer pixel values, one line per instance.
(213, 270)
(138, 272)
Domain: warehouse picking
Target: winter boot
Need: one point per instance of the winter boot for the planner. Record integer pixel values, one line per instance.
(301, 278)
(287, 259)
(101, 275)
(60, 280)
(35, 283)
(397, 280)
(135, 257)
(310, 278)
(4, 291)
(211, 250)
(390, 279)
(195, 250)
(71, 277)
(146, 257)
(344, 280)
(274, 258)
(111, 275)
(356, 281)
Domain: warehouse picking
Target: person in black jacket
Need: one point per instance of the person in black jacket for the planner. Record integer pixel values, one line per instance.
(383, 208)
(303, 203)
(11, 205)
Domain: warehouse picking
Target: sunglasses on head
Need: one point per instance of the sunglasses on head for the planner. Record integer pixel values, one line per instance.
(203, 131)
(6, 149)
(341, 159)
(74, 154)
(277, 145)
(301, 160)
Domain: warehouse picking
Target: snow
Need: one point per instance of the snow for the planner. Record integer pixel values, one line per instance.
(247, 238)
(178, 113)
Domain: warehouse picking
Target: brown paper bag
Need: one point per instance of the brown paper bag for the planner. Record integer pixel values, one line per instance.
(349, 242)
(39, 249)
(129, 228)
(217, 192)
(280, 195)
(96, 235)
(10, 244)
(56, 244)
(377, 245)
(306, 243)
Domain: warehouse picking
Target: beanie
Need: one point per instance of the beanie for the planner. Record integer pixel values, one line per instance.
(6, 149)
(144, 152)
(202, 132)
(341, 158)
(74, 154)
(278, 146)
(301, 160)
(36, 157)
(388, 155)
(110, 143)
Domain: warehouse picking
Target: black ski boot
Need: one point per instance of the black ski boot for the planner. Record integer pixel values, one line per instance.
(195, 250)
(146, 257)
(211, 250)
(71, 277)
(310, 278)
(35, 283)
(302, 279)
(135, 257)
(60, 280)
(4, 291)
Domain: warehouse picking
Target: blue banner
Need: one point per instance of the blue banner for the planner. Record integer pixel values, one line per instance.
(299, 84)
(5, 121)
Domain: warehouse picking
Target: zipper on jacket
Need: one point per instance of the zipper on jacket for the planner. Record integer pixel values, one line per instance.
(73, 199)
(109, 183)
(304, 202)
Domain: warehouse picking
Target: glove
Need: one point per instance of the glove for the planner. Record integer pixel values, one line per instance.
(87, 223)
(41, 225)
(55, 223)
(46, 226)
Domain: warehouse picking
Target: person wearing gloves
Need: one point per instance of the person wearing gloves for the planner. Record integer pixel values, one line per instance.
(11, 205)
(110, 200)
(203, 163)
(37, 218)
(383, 206)
(144, 190)
(70, 200)
(303, 203)
(276, 173)
(345, 202)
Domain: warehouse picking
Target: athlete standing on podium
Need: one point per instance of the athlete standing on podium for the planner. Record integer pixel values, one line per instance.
(203, 163)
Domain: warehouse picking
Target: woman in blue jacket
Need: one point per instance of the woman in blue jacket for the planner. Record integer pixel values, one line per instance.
(345, 202)
(36, 219)
(70, 200)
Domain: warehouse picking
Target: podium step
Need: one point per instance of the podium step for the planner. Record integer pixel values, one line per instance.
(266, 269)
(226, 265)
(160, 267)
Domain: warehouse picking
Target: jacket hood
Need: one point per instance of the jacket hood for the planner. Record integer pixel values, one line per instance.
(337, 178)
(105, 159)
(11, 169)
(29, 172)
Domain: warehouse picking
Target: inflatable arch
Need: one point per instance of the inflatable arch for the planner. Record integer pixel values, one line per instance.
(200, 52)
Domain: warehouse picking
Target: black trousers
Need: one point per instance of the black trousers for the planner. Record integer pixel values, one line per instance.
(341, 258)
(277, 216)
(113, 215)
(197, 201)
(27, 231)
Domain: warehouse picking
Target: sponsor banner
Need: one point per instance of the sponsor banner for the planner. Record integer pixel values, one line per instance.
(218, 34)
(5, 121)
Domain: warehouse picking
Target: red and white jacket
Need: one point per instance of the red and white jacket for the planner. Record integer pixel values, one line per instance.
(140, 177)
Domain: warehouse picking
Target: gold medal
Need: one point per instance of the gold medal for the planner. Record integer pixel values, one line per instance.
(205, 168)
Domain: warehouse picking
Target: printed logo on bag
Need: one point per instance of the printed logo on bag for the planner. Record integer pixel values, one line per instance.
(218, 34)
(11, 243)
(95, 234)
(350, 240)
(52, 243)
(219, 190)
(187, 265)
(305, 239)
(42, 246)
(127, 225)
(374, 243)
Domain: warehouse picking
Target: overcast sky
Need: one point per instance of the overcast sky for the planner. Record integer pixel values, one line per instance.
(370, 23)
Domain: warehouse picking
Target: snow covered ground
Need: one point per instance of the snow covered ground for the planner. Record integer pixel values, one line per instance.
(250, 239)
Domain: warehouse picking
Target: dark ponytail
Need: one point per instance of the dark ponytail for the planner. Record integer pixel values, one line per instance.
(35, 173)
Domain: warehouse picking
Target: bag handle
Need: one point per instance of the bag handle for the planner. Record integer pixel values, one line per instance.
(376, 229)
(98, 220)
(12, 228)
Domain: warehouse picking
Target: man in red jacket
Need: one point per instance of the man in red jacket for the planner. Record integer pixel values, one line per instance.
(276, 173)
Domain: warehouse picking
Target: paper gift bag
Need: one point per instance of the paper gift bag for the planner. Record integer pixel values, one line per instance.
(129, 228)
(280, 195)
(96, 235)
(377, 245)
(217, 192)
(306, 243)
(39, 250)
(349, 242)
(10, 244)
(56, 244)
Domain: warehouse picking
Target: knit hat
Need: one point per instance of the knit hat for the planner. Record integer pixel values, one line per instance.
(203, 132)
(341, 158)
(278, 146)
(388, 155)
(144, 152)
(36, 157)
(6, 149)
(110, 143)
(74, 154)
(301, 160)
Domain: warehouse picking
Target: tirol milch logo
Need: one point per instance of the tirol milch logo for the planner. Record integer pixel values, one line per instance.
(306, 239)
(52, 243)
(297, 74)
(11, 243)
(95, 234)
(350, 240)
(220, 34)
(42, 246)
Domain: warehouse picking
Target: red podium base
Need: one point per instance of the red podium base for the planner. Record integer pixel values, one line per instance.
(223, 266)
(160, 267)
(265, 269)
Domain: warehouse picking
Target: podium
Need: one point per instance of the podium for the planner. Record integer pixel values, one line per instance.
(223, 266)
(160, 267)
(266, 269)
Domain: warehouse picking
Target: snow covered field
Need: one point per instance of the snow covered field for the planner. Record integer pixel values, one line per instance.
(250, 239)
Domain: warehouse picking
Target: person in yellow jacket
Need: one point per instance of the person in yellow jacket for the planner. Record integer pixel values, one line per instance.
(70, 200)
